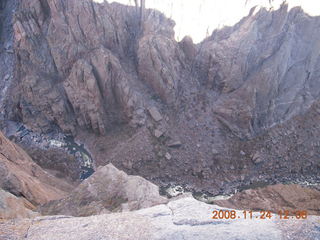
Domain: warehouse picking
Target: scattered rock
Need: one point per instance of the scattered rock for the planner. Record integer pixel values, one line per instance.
(139, 118)
(168, 156)
(155, 114)
(10, 51)
(214, 151)
(175, 144)
(174, 191)
(158, 133)
(256, 158)
(6, 77)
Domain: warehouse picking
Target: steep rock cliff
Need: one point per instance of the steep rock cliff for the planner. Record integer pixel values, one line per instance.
(239, 104)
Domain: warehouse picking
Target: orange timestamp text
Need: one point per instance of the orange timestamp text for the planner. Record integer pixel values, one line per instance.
(248, 214)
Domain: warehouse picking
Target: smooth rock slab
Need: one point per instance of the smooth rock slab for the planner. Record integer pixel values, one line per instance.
(155, 114)
(185, 219)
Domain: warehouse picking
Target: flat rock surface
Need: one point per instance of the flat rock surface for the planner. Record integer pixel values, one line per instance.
(182, 219)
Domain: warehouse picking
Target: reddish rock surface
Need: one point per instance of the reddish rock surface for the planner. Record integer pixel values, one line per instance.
(12, 207)
(276, 198)
(20, 176)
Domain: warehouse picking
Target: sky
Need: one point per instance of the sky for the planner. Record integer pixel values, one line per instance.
(198, 18)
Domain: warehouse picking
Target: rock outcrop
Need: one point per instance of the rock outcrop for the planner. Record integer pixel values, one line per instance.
(12, 207)
(185, 219)
(160, 60)
(70, 73)
(107, 190)
(266, 67)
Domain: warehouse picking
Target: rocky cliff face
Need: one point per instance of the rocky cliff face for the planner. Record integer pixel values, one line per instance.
(227, 112)
(265, 67)
(7, 57)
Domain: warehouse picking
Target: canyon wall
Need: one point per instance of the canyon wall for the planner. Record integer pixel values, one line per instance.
(236, 108)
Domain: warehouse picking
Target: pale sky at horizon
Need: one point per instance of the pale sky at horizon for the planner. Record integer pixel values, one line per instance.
(197, 17)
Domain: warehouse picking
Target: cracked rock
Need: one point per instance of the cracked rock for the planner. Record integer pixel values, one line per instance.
(155, 114)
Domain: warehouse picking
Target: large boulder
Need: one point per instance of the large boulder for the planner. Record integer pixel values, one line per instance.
(12, 207)
(107, 190)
